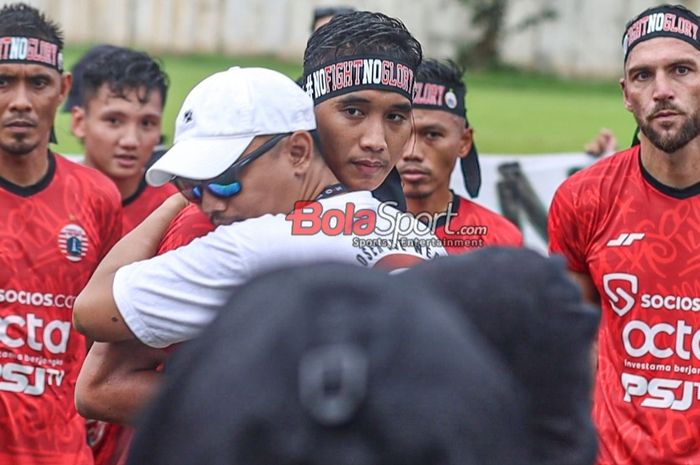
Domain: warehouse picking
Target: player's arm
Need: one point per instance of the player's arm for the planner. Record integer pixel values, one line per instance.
(95, 312)
(117, 379)
(588, 290)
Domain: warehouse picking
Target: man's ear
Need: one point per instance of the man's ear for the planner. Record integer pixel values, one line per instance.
(77, 122)
(465, 142)
(300, 148)
(623, 86)
(66, 83)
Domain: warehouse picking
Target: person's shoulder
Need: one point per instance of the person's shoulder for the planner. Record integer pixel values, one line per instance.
(187, 225)
(94, 183)
(603, 181)
(164, 191)
(604, 170)
(488, 215)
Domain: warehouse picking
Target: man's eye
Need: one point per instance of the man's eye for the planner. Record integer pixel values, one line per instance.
(397, 117)
(352, 111)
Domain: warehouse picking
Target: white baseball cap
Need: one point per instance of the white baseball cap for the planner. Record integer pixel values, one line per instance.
(223, 114)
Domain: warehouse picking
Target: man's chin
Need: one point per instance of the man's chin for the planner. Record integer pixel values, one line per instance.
(18, 149)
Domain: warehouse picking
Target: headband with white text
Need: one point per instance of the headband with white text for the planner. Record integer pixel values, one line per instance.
(439, 96)
(31, 50)
(662, 22)
(354, 73)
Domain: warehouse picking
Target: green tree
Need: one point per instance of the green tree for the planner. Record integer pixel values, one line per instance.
(488, 16)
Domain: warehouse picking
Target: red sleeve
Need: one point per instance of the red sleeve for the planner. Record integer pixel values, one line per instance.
(565, 230)
(189, 224)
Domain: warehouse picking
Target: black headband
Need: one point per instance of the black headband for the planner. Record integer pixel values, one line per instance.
(436, 95)
(31, 50)
(354, 73)
(439, 96)
(662, 22)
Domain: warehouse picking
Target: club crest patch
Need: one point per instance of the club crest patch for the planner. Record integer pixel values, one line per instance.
(451, 99)
(73, 242)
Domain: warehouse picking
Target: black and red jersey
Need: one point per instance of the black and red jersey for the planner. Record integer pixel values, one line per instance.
(638, 240)
(472, 226)
(53, 235)
(143, 202)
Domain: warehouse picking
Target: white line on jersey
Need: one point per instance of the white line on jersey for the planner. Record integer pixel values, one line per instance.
(625, 239)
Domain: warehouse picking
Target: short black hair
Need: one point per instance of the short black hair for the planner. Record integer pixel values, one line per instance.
(362, 32)
(324, 11)
(446, 71)
(20, 19)
(123, 69)
(74, 98)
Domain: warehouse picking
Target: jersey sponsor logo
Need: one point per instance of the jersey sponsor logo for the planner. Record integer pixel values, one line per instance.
(660, 393)
(28, 379)
(671, 345)
(621, 288)
(682, 341)
(625, 239)
(34, 332)
(73, 242)
(36, 299)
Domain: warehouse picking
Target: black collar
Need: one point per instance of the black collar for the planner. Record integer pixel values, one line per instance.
(684, 193)
(135, 195)
(43, 183)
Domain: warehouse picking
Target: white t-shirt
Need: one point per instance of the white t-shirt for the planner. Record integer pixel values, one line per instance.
(170, 298)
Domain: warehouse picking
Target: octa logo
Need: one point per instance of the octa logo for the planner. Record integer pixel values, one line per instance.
(621, 288)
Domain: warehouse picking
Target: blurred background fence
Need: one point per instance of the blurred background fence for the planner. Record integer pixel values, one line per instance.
(580, 38)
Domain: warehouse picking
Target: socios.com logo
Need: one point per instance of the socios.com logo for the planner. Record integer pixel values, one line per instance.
(621, 289)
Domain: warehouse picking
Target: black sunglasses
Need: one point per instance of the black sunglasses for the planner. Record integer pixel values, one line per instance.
(228, 183)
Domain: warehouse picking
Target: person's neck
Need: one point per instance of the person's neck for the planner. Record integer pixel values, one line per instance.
(25, 170)
(128, 186)
(320, 176)
(677, 170)
(436, 202)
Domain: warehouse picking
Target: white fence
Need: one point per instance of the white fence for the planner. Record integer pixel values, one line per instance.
(583, 40)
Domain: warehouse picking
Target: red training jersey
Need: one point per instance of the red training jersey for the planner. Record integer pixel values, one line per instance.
(54, 234)
(110, 442)
(638, 241)
(143, 202)
(472, 226)
(187, 225)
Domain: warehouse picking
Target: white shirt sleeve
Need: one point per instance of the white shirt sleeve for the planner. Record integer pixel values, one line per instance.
(172, 297)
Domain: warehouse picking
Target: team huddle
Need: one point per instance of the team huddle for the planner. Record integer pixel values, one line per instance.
(114, 267)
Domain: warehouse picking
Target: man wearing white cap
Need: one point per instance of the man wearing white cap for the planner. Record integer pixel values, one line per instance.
(244, 150)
